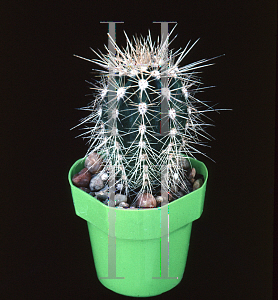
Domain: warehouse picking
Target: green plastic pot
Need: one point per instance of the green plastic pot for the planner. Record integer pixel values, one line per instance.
(138, 264)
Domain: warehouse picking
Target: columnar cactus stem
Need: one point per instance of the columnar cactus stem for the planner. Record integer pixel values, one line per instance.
(127, 115)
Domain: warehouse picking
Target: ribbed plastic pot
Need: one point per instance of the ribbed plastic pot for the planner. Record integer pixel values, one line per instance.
(138, 262)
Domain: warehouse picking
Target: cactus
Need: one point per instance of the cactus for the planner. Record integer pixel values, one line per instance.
(124, 125)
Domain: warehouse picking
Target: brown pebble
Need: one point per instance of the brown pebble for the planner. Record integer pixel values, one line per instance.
(124, 204)
(192, 175)
(146, 200)
(197, 184)
(94, 163)
(159, 199)
(82, 178)
(184, 163)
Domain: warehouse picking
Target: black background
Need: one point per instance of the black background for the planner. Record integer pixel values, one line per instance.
(45, 249)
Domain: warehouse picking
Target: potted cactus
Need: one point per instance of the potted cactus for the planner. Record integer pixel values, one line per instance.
(139, 186)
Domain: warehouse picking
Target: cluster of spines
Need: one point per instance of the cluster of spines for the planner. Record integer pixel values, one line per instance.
(126, 114)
